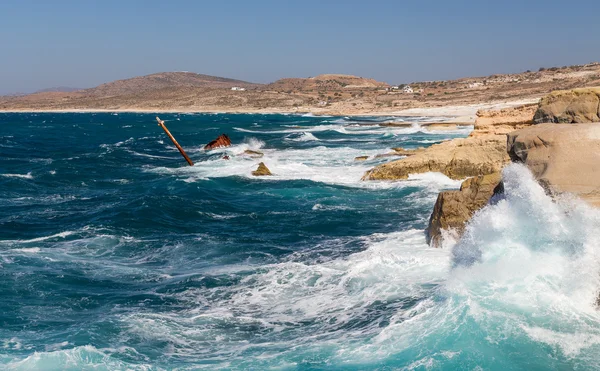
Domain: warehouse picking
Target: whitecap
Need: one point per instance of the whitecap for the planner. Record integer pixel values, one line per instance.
(40, 239)
(301, 137)
(22, 176)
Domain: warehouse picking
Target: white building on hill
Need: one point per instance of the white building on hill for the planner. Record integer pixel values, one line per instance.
(237, 88)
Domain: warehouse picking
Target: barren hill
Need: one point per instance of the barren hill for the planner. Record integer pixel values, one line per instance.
(163, 80)
(325, 82)
(58, 89)
(324, 94)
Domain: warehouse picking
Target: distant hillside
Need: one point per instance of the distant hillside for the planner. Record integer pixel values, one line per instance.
(324, 94)
(325, 82)
(58, 89)
(163, 80)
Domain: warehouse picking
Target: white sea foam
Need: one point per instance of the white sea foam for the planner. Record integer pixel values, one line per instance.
(302, 137)
(146, 155)
(39, 239)
(526, 272)
(299, 129)
(79, 358)
(28, 250)
(319, 164)
(22, 176)
(284, 295)
(342, 126)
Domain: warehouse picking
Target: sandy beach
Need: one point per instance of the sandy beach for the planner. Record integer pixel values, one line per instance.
(451, 114)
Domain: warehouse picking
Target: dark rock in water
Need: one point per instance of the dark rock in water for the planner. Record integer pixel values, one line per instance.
(262, 170)
(453, 209)
(221, 141)
(225, 157)
(253, 154)
(361, 158)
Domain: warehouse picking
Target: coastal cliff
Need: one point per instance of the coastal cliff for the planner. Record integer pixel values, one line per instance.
(453, 208)
(564, 158)
(570, 106)
(563, 155)
(503, 121)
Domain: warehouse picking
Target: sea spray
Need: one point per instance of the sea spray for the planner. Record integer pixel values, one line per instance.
(528, 268)
(520, 291)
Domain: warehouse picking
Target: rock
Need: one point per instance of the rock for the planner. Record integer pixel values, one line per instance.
(407, 152)
(458, 159)
(443, 125)
(562, 157)
(390, 154)
(501, 122)
(253, 154)
(361, 158)
(570, 106)
(221, 141)
(399, 151)
(483, 152)
(453, 209)
(396, 124)
(262, 170)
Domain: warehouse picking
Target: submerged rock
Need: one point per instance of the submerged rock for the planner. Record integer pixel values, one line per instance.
(562, 157)
(361, 158)
(453, 209)
(252, 154)
(221, 141)
(570, 106)
(262, 170)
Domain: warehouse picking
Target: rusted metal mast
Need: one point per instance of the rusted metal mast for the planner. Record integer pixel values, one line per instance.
(162, 125)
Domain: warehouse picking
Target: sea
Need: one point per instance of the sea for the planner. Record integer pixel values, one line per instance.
(117, 255)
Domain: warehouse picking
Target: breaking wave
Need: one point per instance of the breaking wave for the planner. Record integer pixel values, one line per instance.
(301, 137)
(141, 262)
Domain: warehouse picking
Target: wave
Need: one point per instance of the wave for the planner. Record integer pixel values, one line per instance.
(22, 176)
(298, 129)
(524, 275)
(319, 164)
(299, 308)
(79, 358)
(38, 239)
(146, 154)
(301, 137)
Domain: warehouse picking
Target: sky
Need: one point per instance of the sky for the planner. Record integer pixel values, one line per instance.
(85, 43)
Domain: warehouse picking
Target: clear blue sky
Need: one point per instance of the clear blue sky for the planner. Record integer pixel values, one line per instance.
(84, 43)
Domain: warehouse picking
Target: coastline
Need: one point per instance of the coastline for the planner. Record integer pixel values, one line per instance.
(451, 114)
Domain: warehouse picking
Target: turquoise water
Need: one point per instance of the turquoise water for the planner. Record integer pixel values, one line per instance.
(116, 255)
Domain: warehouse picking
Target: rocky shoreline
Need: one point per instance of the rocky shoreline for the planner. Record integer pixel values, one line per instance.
(557, 139)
